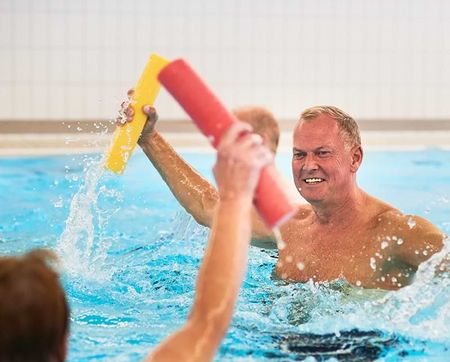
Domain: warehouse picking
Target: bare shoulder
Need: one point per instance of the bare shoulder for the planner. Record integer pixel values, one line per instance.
(304, 211)
(409, 223)
(417, 238)
(389, 217)
(294, 226)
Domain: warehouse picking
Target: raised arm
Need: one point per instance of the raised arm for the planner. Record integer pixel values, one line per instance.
(239, 161)
(192, 190)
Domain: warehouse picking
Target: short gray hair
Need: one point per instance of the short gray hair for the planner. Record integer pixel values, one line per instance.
(348, 126)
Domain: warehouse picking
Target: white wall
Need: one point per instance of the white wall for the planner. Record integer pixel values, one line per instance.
(75, 59)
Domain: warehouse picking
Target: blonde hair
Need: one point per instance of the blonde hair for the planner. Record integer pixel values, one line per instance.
(347, 125)
(262, 121)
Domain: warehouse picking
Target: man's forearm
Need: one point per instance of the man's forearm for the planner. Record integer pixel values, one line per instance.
(223, 269)
(191, 190)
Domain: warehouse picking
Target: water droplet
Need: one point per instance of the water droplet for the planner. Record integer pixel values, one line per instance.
(373, 263)
(400, 241)
(58, 203)
(300, 266)
(358, 283)
(284, 276)
(289, 259)
(384, 245)
(280, 242)
(411, 222)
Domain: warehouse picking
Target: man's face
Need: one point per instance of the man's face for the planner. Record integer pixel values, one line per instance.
(321, 162)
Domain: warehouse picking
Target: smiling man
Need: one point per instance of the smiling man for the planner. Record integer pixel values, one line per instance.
(342, 232)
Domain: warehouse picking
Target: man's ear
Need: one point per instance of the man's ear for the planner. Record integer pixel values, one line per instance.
(357, 157)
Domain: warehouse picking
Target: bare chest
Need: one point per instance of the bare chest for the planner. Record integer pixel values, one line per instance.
(356, 254)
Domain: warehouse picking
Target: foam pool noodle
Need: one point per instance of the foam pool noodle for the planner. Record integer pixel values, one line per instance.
(212, 118)
(126, 136)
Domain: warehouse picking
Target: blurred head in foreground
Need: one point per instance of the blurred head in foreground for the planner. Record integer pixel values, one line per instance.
(34, 314)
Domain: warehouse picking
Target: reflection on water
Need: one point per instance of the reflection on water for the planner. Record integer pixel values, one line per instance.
(353, 345)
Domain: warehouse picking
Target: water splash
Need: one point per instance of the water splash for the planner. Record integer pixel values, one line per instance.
(421, 309)
(76, 244)
(122, 117)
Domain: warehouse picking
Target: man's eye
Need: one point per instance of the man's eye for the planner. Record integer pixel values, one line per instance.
(323, 153)
(299, 155)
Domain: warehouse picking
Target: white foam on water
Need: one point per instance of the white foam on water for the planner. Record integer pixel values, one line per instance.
(420, 310)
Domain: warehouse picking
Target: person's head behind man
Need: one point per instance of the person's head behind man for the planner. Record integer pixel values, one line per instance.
(263, 123)
(34, 314)
(326, 155)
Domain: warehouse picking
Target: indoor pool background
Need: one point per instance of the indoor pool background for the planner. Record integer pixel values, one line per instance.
(130, 257)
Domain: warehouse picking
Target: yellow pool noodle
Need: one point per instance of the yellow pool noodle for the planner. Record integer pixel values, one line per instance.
(126, 136)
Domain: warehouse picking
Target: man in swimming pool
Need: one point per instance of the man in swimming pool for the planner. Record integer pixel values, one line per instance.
(34, 314)
(342, 232)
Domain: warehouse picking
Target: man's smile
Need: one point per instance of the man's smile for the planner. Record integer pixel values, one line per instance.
(313, 180)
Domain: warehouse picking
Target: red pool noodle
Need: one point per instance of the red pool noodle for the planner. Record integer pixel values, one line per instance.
(212, 118)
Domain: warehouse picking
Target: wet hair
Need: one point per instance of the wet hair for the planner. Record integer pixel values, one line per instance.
(347, 125)
(262, 121)
(34, 314)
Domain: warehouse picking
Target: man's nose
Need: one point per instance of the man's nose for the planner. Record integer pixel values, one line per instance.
(310, 163)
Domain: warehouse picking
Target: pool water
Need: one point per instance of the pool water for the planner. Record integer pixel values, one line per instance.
(131, 254)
